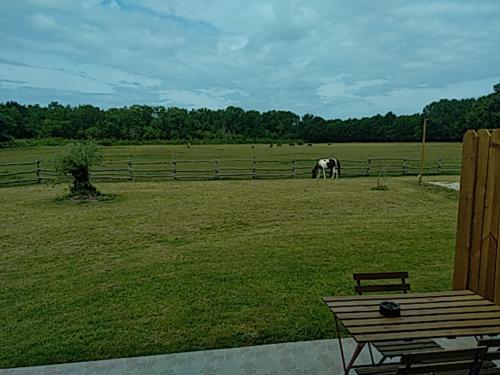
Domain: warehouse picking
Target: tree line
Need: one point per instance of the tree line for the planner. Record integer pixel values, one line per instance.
(449, 119)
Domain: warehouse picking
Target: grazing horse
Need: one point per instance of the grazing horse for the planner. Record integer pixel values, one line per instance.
(322, 165)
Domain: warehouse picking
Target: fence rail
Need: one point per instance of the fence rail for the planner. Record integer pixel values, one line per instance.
(221, 169)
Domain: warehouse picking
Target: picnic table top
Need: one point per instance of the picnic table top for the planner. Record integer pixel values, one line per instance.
(423, 315)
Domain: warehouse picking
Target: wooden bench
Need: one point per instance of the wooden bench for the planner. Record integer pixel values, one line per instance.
(493, 354)
(466, 361)
(395, 348)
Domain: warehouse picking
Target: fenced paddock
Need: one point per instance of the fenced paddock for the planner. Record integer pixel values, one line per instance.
(221, 169)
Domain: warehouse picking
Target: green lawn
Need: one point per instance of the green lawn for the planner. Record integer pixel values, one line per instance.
(179, 266)
(361, 151)
(234, 159)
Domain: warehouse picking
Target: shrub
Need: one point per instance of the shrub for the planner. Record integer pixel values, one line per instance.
(76, 160)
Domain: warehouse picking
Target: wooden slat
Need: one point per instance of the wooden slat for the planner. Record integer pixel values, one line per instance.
(403, 301)
(376, 337)
(384, 297)
(425, 326)
(380, 276)
(489, 342)
(465, 209)
(421, 319)
(413, 306)
(483, 149)
(394, 345)
(408, 349)
(446, 355)
(494, 234)
(386, 369)
(496, 242)
(444, 311)
(492, 356)
(438, 368)
(381, 288)
(488, 258)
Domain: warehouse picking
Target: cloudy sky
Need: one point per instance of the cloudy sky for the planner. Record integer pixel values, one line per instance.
(334, 58)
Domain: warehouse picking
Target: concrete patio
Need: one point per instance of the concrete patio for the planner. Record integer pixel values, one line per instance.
(304, 358)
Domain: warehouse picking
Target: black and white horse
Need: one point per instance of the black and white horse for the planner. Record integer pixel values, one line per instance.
(322, 165)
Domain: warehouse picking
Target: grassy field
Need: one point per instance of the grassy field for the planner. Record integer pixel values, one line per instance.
(361, 151)
(234, 161)
(179, 266)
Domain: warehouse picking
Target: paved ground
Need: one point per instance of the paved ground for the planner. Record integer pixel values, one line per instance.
(311, 357)
(304, 358)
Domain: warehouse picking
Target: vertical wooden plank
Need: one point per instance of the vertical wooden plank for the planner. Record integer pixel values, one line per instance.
(483, 148)
(485, 280)
(422, 155)
(496, 272)
(495, 219)
(493, 274)
(130, 171)
(38, 176)
(465, 206)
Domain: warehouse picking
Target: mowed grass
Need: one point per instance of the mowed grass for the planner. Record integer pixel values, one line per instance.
(355, 151)
(181, 266)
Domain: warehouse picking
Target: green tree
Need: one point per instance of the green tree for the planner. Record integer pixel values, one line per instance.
(76, 160)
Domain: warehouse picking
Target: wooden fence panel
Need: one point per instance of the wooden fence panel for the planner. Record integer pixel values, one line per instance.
(465, 208)
(121, 170)
(477, 264)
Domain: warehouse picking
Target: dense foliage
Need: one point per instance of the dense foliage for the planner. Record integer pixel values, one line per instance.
(138, 123)
(76, 160)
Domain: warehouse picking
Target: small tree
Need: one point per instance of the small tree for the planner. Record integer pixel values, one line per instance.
(76, 160)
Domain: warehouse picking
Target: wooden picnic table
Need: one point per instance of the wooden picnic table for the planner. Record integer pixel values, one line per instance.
(423, 316)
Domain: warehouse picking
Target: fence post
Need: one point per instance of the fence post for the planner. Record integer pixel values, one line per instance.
(174, 169)
(38, 178)
(130, 174)
(368, 166)
(216, 169)
(254, 168)
(439, 165)
(405, 167)
(294, 169)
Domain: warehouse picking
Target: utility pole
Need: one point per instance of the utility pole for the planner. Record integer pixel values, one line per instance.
(422, 156)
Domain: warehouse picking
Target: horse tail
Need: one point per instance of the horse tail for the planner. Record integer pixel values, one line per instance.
(338, 166)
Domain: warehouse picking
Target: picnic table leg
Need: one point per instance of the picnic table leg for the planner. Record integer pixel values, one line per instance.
(355, 355)
(340, 345)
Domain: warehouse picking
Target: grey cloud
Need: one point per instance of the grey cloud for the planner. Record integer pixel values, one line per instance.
(332, 58)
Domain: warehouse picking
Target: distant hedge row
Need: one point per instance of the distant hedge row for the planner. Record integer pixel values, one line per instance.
(142, 123)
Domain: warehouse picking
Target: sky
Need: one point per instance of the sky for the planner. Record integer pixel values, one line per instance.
(332, 58)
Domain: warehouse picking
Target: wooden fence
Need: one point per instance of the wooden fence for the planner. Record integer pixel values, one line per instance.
(477, 266)
(220, 169)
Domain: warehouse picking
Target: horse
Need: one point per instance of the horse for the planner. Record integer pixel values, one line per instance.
(333, 165)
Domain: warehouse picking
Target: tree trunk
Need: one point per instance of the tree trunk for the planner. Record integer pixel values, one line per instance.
(81, 183)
